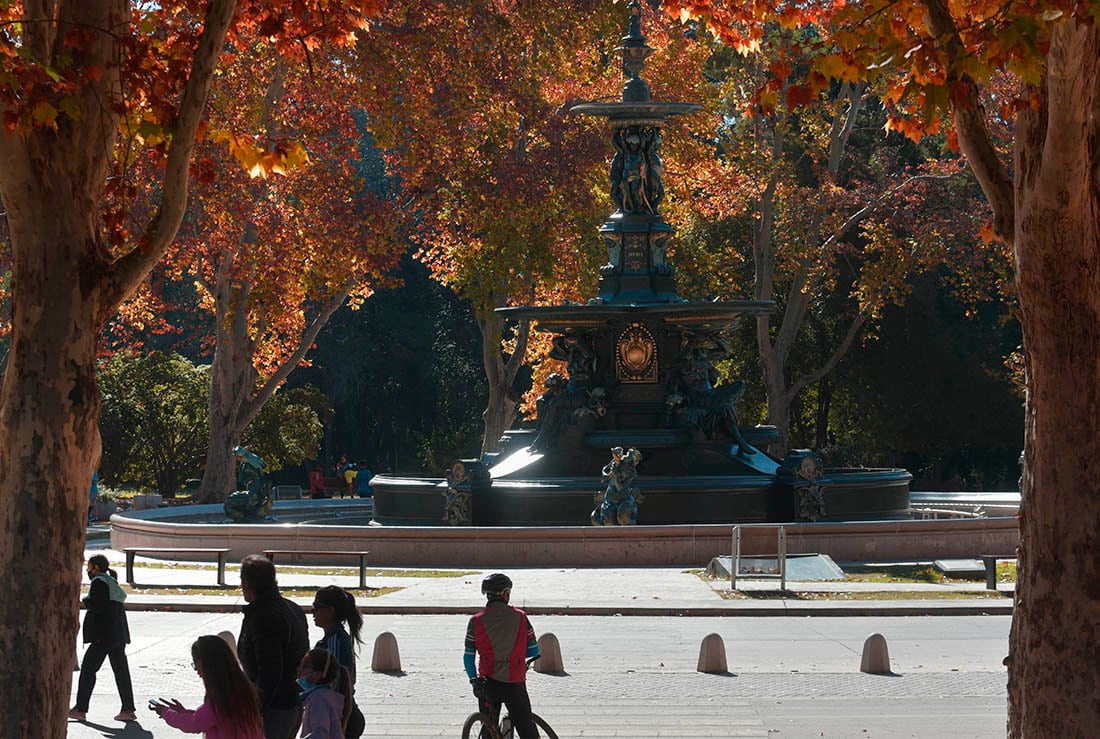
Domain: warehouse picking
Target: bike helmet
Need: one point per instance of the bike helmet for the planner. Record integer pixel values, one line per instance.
(498, 582)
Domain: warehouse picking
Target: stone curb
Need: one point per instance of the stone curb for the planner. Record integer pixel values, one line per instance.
(881, 608)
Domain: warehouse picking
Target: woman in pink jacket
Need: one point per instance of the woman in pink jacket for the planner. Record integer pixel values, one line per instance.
(230, 709)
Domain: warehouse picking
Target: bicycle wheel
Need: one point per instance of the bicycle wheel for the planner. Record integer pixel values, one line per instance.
(479, 726)
(507, 731)
(545, 732)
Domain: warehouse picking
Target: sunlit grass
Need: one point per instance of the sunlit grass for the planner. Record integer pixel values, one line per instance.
(865, 595)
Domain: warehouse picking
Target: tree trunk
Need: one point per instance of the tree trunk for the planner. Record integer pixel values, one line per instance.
(503, 405)
(779, 401)
(49, 447)
(1054, 649)
(232, 387)
(237, 391)
(65, 288)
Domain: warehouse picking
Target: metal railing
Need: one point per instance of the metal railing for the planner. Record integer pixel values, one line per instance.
(780, 558)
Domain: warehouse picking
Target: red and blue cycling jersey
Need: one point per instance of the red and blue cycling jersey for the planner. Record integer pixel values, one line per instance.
(503, 639)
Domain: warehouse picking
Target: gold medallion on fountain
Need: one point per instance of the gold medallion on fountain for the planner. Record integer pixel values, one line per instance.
(636, 354)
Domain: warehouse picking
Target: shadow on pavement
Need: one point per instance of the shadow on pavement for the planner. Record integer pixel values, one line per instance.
(129, 730)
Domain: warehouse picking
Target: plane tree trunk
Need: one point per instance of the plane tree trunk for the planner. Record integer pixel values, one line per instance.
(65, 287)
(1054, 649)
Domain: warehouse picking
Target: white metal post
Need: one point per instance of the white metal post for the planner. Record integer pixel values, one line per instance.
(735, 564)
(782, 558)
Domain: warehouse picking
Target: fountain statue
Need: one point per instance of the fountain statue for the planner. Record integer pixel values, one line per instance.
(639, 374)
(618, 502)
(251, 503)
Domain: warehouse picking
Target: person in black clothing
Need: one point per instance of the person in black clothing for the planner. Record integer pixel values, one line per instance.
(273, 639)
(106, 633)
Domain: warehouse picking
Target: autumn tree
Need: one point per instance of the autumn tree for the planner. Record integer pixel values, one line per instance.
(473, 99)
(833, 205)
(466, 97)
(87, 85)
(275, 256)
(1045, 207)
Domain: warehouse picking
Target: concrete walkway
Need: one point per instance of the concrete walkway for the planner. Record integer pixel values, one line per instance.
(589, 591)
(630, 664)
(636, 677)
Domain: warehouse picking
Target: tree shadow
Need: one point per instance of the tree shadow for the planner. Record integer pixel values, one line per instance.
(129, 730)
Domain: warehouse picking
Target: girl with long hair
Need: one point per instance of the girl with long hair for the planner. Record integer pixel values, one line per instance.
(333, 609)
(230, 709)
(326, 695)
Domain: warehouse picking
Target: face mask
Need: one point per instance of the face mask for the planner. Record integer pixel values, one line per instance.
(304, 683)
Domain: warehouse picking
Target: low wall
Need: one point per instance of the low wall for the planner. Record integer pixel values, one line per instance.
(575, 546)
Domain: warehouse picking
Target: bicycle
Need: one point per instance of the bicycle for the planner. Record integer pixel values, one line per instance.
(480, 725)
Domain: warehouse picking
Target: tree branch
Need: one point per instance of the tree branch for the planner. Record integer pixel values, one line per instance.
(970, 125)
(838, 353)
(308, 337)
(128, 272)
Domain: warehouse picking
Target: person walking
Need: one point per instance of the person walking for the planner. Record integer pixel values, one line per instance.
(230, 708)
(273, 639)
(106, 633)
(333, 609)
(502, 639)
(326, 695)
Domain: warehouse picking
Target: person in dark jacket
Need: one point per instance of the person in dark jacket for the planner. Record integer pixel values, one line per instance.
(106, 633)
(273, 639)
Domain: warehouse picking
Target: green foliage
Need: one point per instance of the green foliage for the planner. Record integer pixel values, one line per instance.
(404, 376)
(153, 420)
(933, 395)
(288, 429)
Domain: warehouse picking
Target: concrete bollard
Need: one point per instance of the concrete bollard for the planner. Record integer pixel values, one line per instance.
(386, 658)
(228, 638)
(549, 660)
(712, 655)
(876, 656)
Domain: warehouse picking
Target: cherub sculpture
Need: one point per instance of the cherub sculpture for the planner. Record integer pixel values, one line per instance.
(618, 502)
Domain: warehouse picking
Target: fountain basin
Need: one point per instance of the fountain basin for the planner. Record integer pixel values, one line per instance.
(556, 546)
(851, 494)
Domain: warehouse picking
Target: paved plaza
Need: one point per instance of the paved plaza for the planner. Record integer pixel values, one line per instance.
(627, 675)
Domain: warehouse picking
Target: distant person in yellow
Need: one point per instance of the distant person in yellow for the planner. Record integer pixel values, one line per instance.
(348, 472)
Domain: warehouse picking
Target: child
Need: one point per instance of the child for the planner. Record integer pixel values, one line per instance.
(333, 607)
(230, 708)
(326, 695)
(106, 633)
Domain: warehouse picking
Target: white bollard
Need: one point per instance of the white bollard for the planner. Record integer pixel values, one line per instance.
(549, 661)
(386, 657)
(876, 656)
(712, 655)
(228, 638)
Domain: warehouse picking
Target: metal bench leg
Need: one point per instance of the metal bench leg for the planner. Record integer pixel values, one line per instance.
(990, 572)
(221, 568)
(363, 571)
(130, 567)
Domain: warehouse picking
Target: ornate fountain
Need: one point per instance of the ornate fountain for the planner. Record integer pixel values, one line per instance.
(640, 363)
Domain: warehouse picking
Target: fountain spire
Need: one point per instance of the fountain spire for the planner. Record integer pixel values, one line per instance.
(634, 51)
(636, 236)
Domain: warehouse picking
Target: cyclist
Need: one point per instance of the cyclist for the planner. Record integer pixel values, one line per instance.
(504, 640)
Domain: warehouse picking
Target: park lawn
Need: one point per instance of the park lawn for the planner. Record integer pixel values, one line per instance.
(869, 595)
